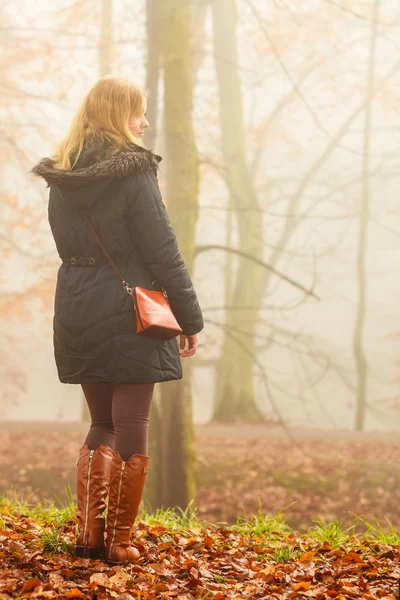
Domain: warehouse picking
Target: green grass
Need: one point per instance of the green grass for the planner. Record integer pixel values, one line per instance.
(376, 532)
(45, 512)
(262, 525)
(52, 513)
(285, 554)
(205, 595)
(218, 578)
(269, 531)
(47, 515)
(332, 532)
(13, 504)
(175, 518)
(52, 541)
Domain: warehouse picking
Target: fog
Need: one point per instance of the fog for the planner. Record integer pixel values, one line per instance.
(295, 255)
(305, 86)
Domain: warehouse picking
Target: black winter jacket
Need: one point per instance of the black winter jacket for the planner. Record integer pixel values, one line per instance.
(94, 321)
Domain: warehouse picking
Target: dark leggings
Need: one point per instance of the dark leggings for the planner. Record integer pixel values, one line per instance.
(120, 416)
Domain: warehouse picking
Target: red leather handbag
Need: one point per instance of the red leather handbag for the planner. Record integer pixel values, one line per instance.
(154, 317)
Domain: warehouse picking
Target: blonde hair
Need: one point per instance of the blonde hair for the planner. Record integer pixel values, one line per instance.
(102, 118)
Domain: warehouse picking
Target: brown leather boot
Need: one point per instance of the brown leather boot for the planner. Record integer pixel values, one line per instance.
(93, 479)
(126, 489)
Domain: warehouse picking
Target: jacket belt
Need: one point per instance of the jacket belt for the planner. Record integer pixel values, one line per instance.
(83, 260)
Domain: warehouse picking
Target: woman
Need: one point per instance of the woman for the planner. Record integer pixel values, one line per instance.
(101, 170)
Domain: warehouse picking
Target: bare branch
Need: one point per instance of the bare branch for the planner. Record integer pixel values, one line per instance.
(269, 339)
(271, 307)
(358, 15)
(297, 88)
(269, 394)
(205, 248)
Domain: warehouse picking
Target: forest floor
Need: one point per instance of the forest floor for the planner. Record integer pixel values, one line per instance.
(183, 559)
(312, 516)
(314, 475)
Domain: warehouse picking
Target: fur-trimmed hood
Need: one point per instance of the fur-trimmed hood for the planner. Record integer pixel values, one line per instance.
(95, 170)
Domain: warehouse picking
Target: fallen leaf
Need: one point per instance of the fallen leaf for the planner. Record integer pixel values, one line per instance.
(120, 578)
(81, 562)
(16, 547)
(302, 585)
(30, 585)
(55, 578)
(100, 578)
(352, 557)
(307, 556)
(74, 593)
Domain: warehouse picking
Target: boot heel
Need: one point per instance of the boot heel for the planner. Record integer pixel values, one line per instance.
(120, 562)
(126, 487)
(93, 480)
(85, 552)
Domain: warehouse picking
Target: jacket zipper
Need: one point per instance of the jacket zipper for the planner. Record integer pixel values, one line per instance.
(137, 310)
(116, 513)
(87, 492)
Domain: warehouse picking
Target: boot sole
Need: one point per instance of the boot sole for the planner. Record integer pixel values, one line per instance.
(117, 562)
(120, 562)
(84, 552)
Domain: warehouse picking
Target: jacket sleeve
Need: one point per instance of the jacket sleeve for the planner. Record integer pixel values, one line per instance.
(156, 244)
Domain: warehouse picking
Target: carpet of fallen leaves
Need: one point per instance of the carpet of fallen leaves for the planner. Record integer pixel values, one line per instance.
(312, 478)
(195, 563)
(322, 478)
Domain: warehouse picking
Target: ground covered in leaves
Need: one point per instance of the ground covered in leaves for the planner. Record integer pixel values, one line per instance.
(236, 473)
(308, 479)
(260, 558)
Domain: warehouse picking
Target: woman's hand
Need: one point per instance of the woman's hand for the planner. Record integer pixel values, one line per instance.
(192, 344)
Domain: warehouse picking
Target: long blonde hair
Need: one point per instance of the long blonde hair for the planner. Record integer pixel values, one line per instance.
(102, 118)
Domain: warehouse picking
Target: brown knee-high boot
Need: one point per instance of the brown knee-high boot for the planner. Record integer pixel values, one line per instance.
(126, 489)
(93, 479)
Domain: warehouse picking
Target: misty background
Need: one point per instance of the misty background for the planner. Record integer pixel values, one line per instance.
(305, 220)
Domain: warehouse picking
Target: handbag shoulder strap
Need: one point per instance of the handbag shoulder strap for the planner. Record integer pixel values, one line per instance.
(108, 257)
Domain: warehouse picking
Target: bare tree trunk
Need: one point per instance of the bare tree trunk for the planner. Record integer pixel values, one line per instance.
(105, 65)
(154, 482)
(153, 69)
(234, 398)
(198, 12)
(155, 491)
(173, 467)
(359, 354)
